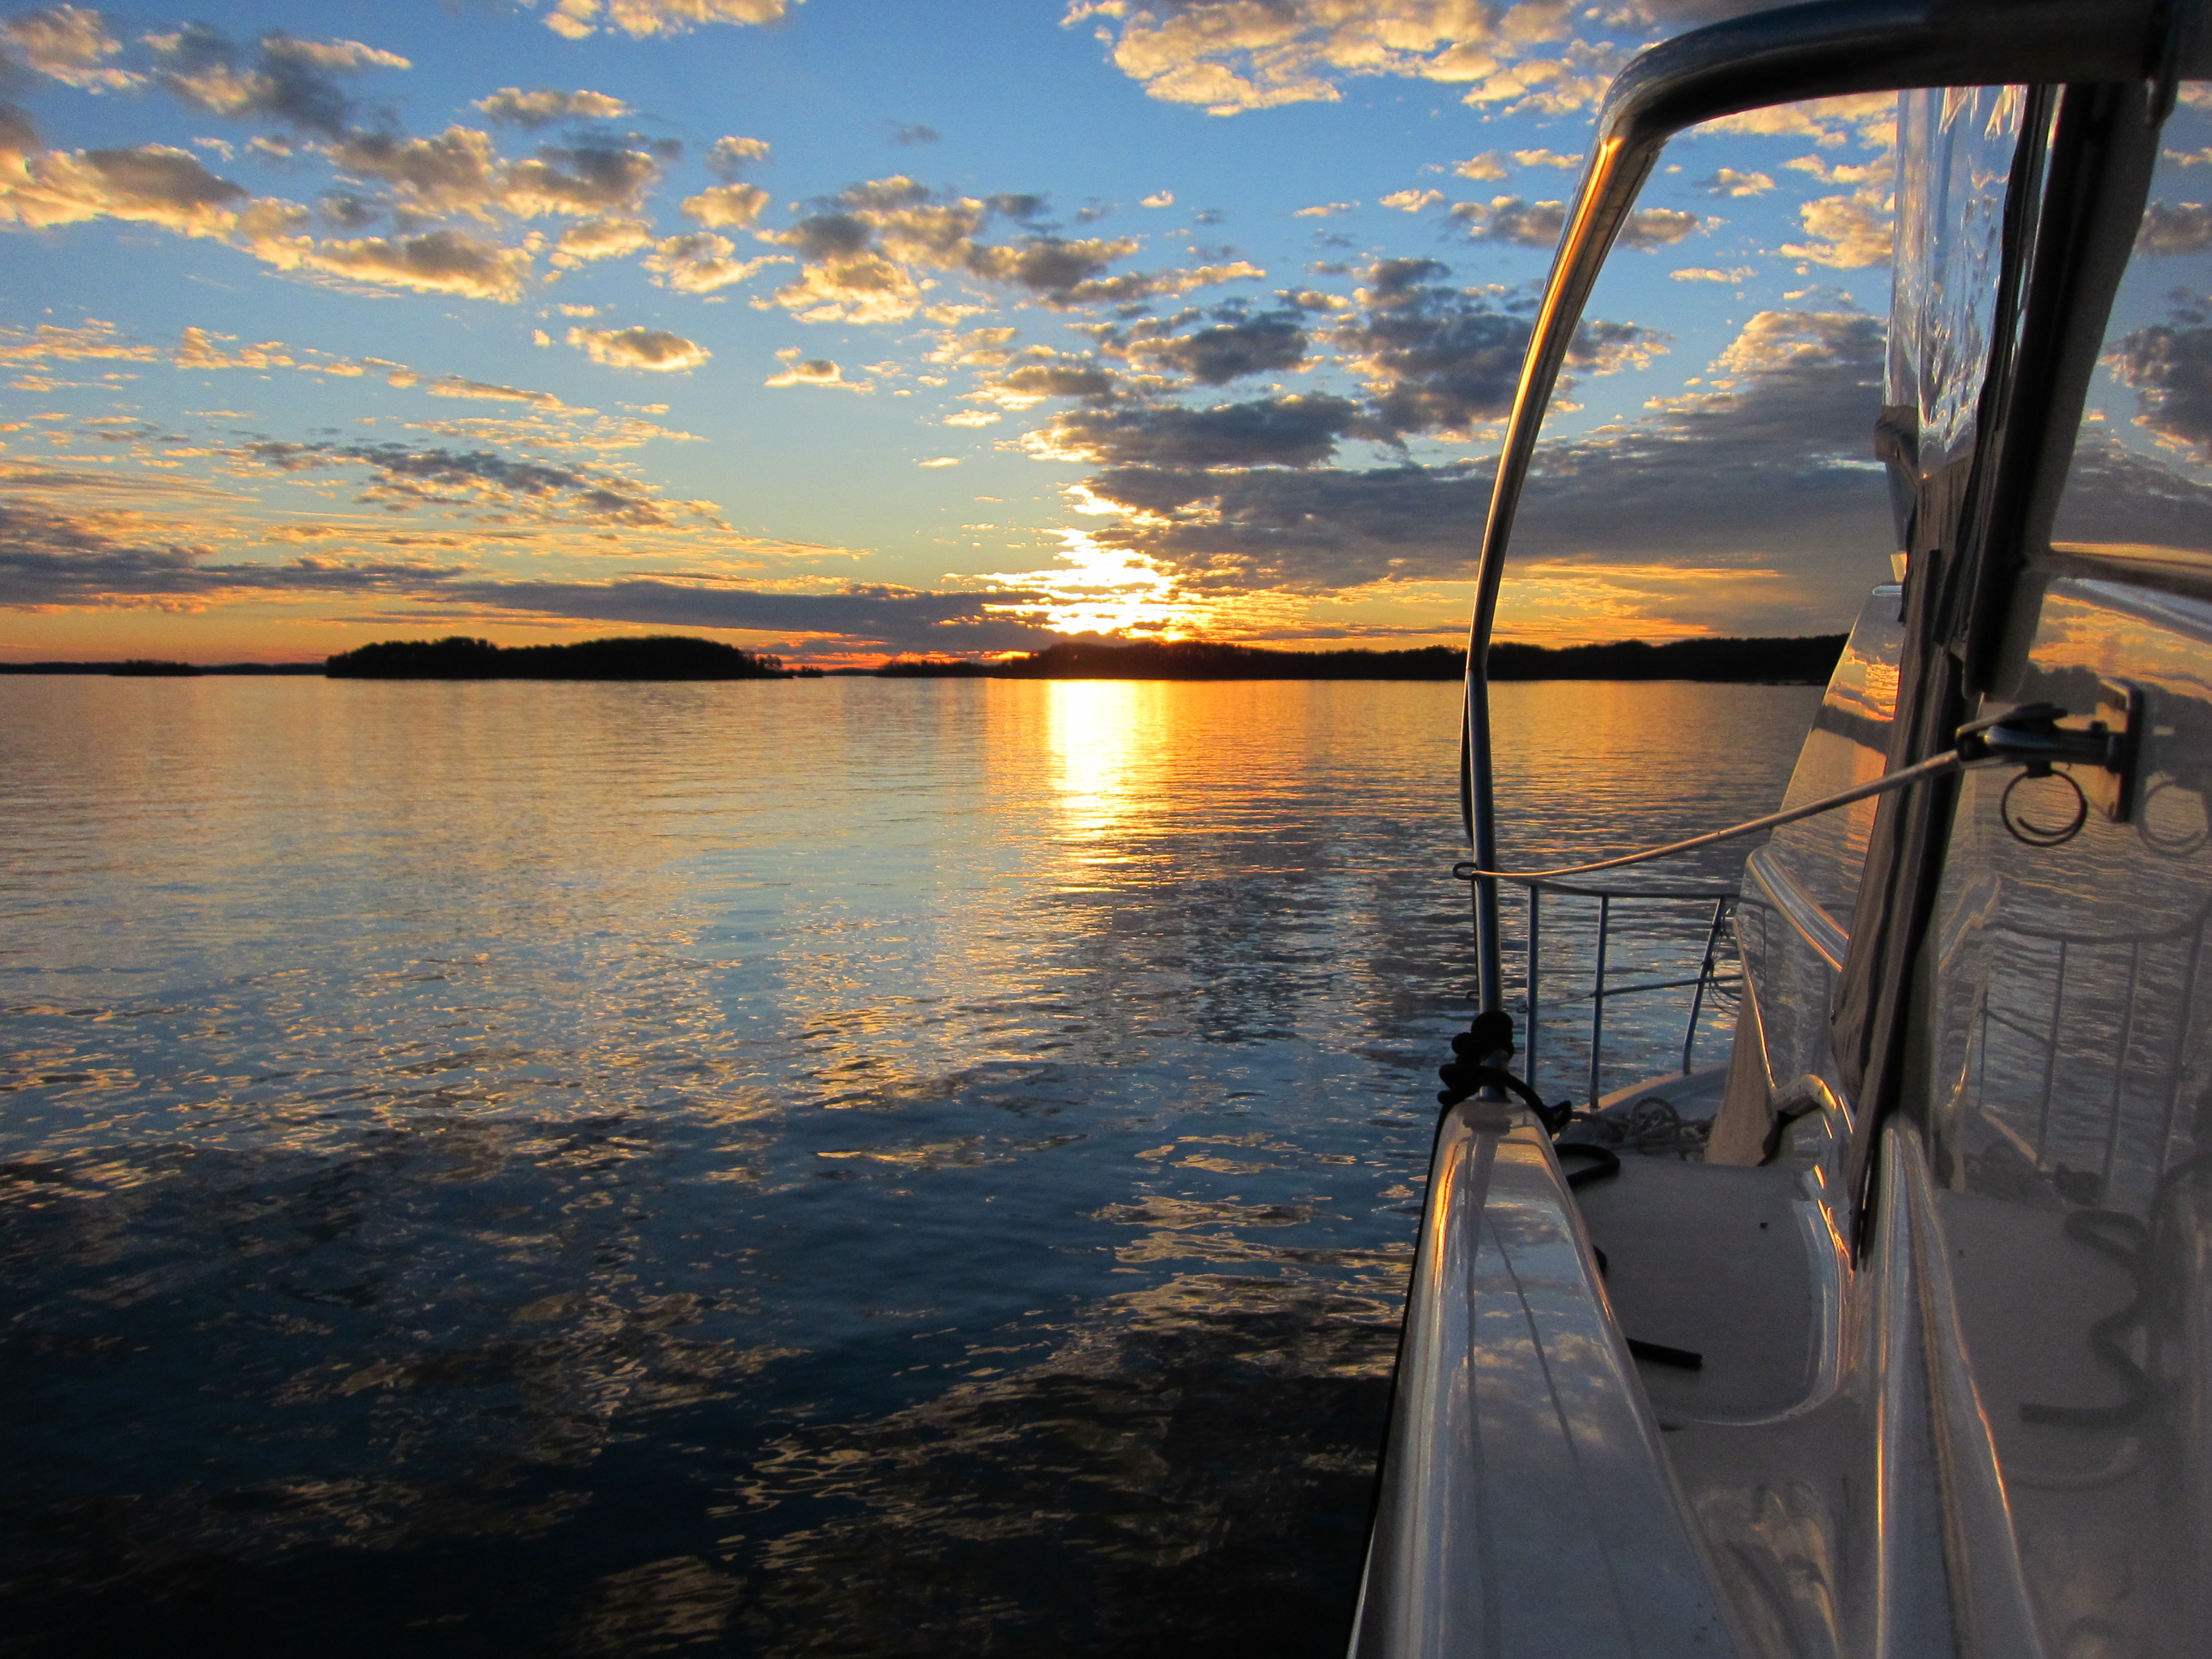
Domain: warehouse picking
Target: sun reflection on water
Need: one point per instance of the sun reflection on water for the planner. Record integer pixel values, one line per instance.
(1107, 738)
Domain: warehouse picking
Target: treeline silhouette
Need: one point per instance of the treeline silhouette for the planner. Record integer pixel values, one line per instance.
(653, 657)
(1807, 660)
(137, 667)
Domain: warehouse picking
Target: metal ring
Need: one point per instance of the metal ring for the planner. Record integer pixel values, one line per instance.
(2038, 835)
(2174, 847)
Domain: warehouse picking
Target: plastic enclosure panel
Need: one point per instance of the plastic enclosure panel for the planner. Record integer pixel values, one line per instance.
(2063, 1077)
(1793, 920)
(2141, 482)
(1955, 149)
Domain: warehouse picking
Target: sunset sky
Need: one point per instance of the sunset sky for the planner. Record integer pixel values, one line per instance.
(842, 328)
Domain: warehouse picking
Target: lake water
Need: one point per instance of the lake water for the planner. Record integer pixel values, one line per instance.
(838, 1167)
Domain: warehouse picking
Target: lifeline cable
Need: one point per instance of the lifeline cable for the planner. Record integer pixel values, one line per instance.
(2028, 736)
(1935, 767)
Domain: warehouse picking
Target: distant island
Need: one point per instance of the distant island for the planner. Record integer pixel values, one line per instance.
(1806, 660)
(653, 657)
(137, 667)
(1803, 660)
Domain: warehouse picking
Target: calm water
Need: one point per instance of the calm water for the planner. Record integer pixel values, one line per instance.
(840, 1167)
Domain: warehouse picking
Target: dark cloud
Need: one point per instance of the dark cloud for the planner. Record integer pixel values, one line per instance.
(401, 477)
(1771, 468)
(580, 179)
(155, 176)
(1228, 342)
(1537, 224)
(2175, 227)
(17, 135)
(2116, 495)
(863, 619)
(915, 133)
(50, 558)
(1230, 350)
(1293, 432)
(2169, 367)
(298, 82)
(1063, 377)
(1053, 267)
(1441, 359)
(860, 250)
(439, 262)
(348, 211)
(456, 172)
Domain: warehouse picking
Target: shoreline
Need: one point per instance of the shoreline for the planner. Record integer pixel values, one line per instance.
(1795, 660)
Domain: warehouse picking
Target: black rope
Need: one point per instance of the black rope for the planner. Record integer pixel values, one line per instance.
(2125, 1240)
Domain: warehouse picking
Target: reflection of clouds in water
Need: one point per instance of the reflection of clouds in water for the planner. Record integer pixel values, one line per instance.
(1137, 1466)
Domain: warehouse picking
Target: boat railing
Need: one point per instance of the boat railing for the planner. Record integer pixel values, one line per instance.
(1709, 984)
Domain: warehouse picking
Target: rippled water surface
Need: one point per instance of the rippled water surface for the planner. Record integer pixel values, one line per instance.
(835, 1167)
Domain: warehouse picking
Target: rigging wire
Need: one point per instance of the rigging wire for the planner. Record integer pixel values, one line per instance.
(1935, 767)
(2028, 736)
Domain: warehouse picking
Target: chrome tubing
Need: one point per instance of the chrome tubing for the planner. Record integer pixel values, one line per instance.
(1818, 51)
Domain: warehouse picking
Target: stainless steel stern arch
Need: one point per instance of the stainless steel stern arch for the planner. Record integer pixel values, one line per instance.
(1818, 51)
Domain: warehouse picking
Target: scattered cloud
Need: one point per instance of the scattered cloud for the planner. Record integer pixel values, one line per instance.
(865, 255)
(642, 19)
(639, 348)
(439, 262)
(1707, 274)
(701, 263)
(916, 134)
(727, 158)
(1485, 167)
(1324, 210)
(1869, 117)
(1158, 199)
(600, 239)
(723, 206)
(68, 44)
(453, 385)
(1411, 201)
(1231, 56)
(512, 107)
(91, 340)
(940, 460)
(815, 372)
(1848, 232)
(1544, 158)
(1731, 181)
(403, 477)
